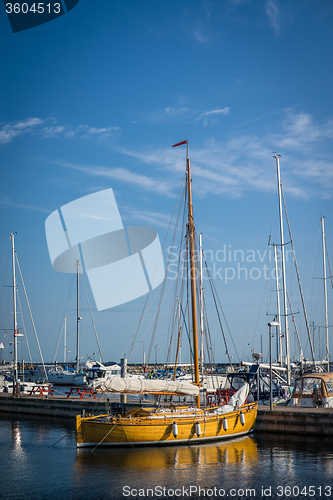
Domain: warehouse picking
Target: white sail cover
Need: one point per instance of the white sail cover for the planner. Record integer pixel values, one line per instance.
(133, 384)
(237, 400)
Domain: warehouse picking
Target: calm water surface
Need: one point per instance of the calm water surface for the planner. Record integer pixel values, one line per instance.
(34, 466)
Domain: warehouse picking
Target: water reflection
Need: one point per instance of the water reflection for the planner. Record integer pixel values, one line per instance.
(235, 451)
(31, 467)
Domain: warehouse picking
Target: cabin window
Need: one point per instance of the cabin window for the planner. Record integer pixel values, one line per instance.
(298, 387)
(329, 385)
(309, 384)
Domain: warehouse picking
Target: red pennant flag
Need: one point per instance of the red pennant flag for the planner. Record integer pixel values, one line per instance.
(179, 143)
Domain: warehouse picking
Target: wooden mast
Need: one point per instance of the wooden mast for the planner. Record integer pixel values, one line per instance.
(192, 271)
(192, 277)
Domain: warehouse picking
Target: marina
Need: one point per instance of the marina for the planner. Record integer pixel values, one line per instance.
(39, 460)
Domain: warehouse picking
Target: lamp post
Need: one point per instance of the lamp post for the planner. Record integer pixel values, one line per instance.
(156, 347)
(272, 323)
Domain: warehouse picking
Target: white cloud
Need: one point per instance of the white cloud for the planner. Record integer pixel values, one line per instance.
(273, 14)
(106, 131)
(42, 128)
(123, 175)
(9, 131)
(245, 162)
(207, 116)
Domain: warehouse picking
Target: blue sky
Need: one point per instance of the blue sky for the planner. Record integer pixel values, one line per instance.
(96, 98)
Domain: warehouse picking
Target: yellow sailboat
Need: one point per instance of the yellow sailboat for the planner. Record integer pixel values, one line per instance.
(174, 424)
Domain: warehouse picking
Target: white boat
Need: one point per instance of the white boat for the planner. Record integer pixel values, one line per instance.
(98, 373)
(66, 377)
(313, 390)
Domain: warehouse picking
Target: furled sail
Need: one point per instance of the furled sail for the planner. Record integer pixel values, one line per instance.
(133, 384)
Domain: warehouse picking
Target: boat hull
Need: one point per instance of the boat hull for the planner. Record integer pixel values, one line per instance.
(158, 429)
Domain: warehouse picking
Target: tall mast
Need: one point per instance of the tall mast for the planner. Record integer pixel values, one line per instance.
(192, 278)
(285, 306)
(201, 311)
(279, 356)
(65, 340)
(192, 271)
(78, 319)
(325, 290)
(15, 314)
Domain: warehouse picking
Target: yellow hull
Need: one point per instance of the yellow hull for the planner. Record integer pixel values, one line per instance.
(164, 427)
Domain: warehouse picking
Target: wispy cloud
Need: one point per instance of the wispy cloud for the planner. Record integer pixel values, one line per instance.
(9, 131)
(156, 219)
(49, 128)
(123, 175)
(209, 115)
(245, 162)
(186, 114)
(6, 202)
(273, 13)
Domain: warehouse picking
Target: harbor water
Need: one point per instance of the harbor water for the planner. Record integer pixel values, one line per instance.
(39, 461)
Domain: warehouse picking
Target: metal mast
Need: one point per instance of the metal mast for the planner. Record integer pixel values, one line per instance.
(325, 290)
(15, 378)
(65, 340)
(279, 345)
(285, 306)
(78, 319)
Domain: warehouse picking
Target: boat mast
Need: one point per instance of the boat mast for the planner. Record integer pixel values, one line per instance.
(325, 291)
(192, 278)
(15, 378)
(65, 341)
(201, 311)
(78, 318)
(285, 306)
(279, 344)
(192, 271)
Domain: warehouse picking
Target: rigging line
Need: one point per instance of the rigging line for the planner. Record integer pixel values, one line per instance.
(298, 278)
(6, 306)
(328, 261)
(219, 318)
(6, 296)
(313, 307)
(68, 287)
(188, 333)
(148, 295)
(152, 319)
(56, 351)
(92, 319)
(214, 293)
(5, 256)
(164, 283)
(106, 435)
(32, 321)
(295, 326)
(259, 311)
(25, 332)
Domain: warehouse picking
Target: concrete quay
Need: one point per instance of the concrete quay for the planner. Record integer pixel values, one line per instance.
(295, 420)
(60, 406)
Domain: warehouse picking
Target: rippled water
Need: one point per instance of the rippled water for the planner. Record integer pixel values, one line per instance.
(39, 460)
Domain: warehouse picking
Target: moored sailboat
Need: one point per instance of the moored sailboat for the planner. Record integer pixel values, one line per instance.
(173, 424)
